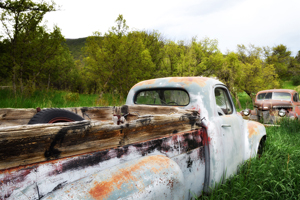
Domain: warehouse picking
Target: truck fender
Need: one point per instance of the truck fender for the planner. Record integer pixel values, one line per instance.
(255, 133)
(151, 177)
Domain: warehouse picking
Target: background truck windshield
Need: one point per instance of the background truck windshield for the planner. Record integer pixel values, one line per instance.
(274, 96)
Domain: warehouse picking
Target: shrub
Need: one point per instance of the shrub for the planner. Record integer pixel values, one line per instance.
(296, 80)
(71, 96)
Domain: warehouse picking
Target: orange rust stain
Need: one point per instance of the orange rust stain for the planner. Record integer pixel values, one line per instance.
(297, 110)
(103, 189)
(189, 80)
(147, 82)
(253, 128)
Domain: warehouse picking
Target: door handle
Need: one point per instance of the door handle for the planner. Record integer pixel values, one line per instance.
(226, 125)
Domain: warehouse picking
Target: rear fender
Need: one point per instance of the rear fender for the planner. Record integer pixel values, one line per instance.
(151, 177)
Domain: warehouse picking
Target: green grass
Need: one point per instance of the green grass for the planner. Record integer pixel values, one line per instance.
(56, 99)
(276, 175)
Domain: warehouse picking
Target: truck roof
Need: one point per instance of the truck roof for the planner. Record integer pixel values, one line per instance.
(278, 90)
(176, 82)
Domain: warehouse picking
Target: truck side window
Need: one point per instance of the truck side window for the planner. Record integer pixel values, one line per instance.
(223, 101)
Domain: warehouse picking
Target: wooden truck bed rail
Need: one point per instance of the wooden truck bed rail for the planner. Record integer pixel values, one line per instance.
(28, 144)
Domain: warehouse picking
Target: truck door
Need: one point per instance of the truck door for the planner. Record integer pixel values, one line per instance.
(231, 128)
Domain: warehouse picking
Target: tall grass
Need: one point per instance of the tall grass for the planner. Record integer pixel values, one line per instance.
(275, 175)
(57, 99)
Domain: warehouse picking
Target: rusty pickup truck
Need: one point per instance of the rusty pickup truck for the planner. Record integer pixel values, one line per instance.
(271, 106)
(174, 138)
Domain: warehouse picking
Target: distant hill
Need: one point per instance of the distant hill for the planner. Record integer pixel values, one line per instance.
(75, 46)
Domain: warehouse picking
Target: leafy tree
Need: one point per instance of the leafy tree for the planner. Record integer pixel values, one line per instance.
(117, 60)
(280, 58)
(256, 75)
(172, 57)
(231, 74)
(20, 20)
(208, 57)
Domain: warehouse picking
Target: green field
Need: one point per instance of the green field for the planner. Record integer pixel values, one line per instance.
(56, 99)
(63, 99)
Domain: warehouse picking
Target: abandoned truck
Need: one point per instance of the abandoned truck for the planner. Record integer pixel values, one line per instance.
(273, 105)
(174, 138)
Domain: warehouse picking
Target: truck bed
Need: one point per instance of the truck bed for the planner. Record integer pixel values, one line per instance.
(61, 153)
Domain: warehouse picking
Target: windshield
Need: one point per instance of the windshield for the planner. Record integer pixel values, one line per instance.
(274, 96)
(174, 97)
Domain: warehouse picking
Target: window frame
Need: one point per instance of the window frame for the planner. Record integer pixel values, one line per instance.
(229, 98)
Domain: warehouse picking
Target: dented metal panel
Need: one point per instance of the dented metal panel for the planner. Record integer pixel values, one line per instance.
(151, 177)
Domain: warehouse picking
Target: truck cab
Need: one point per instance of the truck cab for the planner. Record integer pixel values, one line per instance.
(232, 140)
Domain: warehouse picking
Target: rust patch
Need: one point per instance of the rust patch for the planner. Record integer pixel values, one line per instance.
(201, 81)
(103, 189)
(147, 82)
(297, 110)
(253, 128)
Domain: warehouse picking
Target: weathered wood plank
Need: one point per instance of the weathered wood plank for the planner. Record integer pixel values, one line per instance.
(14, 117)
(152, 110)
(22, 145)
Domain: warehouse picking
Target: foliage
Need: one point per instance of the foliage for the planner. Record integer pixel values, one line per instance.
(33, 58)
(69, 96)
(256, 74)
(275, 175)
(116, 61)
(281, 59)
(296, 80)
(31, 52)
(75, 46)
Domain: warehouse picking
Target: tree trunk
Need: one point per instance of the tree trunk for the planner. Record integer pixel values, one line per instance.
(21, 82)
(237, 100)
(48, 86)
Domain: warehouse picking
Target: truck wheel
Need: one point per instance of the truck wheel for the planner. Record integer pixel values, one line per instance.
(54, 115)
(261, 146)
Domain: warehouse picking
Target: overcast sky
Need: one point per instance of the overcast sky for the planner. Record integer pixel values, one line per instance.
(231, 22)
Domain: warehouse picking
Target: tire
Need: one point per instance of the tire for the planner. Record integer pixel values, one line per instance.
(261, 146)
(54, 115)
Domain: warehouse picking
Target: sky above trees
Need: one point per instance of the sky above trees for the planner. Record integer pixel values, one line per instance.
(231, 22)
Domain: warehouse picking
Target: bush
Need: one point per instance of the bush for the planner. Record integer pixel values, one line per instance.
(71, 96)
(296, 80)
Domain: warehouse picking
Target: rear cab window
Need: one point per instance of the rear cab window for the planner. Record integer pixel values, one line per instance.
(163, 96)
